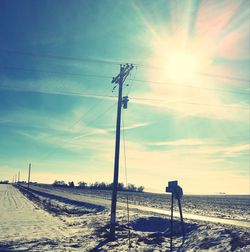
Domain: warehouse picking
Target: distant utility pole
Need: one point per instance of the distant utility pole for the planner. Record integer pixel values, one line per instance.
(29, 176)
(118, 80)
(18, 180)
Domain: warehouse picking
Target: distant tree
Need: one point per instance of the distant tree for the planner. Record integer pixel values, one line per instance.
(82, 184)
(4, 182)
(71, 184)
(131, 188)
(140, 189)
(102, 186)
(59, 183)
(105, 186)
(96, 185)
(120, 187)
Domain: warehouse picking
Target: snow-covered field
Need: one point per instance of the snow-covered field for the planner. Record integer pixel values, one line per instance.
(63, 219)
(221, 206)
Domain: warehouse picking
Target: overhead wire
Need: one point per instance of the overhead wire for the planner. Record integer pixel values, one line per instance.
(54, 150)
(190, 86)
(126, 178)
(192, 103)
(225, 77)
(112, 62)
(98, 96)
(58, 57)
(102, 76)
(125, 159)
(133, 79)
(55, 92)
(84, 114)
(54, 72)
(71, 126)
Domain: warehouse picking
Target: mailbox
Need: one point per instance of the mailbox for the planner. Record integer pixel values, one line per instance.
(174, 189)
(177, 194)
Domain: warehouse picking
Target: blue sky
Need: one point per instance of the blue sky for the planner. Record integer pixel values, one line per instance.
(188, 114)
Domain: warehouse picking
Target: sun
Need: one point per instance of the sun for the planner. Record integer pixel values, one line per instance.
(181, 66)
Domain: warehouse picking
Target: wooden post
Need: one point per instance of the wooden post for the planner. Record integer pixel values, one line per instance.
(171, 224)
(182, 222)
(29, 176)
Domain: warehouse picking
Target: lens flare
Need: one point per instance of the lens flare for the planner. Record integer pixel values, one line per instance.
(181, 66)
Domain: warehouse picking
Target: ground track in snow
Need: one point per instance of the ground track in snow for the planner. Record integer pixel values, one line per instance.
(22, 222)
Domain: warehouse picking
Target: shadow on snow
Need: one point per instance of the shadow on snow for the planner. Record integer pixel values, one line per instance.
(31, 193)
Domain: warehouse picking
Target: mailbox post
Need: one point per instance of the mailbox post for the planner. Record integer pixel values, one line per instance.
(177, 194)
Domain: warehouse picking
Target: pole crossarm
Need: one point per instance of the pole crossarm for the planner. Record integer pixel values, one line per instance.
(124, 72)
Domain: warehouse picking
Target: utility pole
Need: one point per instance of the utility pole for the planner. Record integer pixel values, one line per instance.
(29, 176)
(119, 80)
(18, 180)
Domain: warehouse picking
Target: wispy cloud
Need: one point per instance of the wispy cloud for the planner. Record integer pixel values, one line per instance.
(198, 170)
(99, 131)
(193, 108)
(181, 142)
(58, 92)
(202, 147)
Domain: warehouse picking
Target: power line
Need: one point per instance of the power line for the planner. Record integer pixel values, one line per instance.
(85, 114)
(53, 151)
(51, 56)
(126, 178)
(89, 95)
(228, 77)
(192, 103)
(190, 86)
(225, 77)
(124, 150)
(133, 79)
(54, 72)
(55, 92)
(80, 119)
(112, 62)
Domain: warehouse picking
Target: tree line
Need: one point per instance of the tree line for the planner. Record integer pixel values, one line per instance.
(99, 186)
(4, 182)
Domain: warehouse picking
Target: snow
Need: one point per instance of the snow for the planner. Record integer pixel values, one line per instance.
(221, 206)
(21, 220)
(218, 209)
(61, 219)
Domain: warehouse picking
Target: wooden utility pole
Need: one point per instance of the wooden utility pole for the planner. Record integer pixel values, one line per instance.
(171, 222)
(119, 80)
(29, 176)
(18, 180)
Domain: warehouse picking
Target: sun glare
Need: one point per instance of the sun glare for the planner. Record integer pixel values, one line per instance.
(181, 66)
